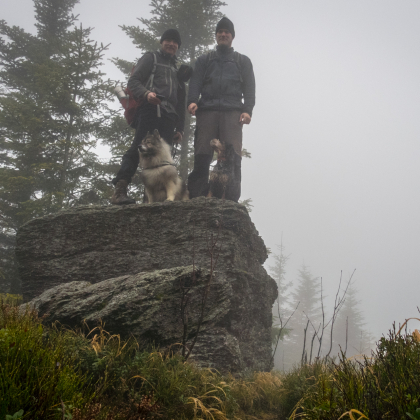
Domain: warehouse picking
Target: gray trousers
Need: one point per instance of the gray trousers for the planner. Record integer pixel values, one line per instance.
(222, 125)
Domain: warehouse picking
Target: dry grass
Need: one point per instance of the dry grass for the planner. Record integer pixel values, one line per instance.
(51, 371)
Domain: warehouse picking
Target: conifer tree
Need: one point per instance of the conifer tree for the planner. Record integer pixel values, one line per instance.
(307, 294)
(281, 309)
(196, 21)
(306, 297)
(278, 272)
(350, 334)
(53, 105)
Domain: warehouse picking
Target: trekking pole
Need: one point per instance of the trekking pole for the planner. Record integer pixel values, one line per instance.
(158, 111)
(122, 96)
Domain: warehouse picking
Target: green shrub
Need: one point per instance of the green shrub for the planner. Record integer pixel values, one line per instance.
(258, 394)
(126, 374)
(385, 386)
(9, 299)
(46, 372)
(36, 371)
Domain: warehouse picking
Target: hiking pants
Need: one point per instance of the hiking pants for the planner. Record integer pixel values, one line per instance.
(147, 120)
(222, 125)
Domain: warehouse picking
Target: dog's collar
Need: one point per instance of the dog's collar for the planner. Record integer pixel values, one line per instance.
(162, 164)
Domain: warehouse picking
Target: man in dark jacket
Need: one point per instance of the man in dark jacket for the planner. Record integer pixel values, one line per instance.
(154, 77)
(222, 96)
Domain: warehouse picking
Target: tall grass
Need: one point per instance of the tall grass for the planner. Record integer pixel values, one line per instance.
(36, 371)
(384, 386)
(50, 372)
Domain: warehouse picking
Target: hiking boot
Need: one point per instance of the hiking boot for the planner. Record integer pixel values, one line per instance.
(120, 194)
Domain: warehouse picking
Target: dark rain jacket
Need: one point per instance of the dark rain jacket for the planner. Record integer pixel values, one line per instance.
(224, 83)
(165, 83)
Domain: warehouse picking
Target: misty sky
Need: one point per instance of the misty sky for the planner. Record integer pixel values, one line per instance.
(335, 135)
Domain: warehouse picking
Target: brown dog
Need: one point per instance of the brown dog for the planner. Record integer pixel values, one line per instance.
(224, 182)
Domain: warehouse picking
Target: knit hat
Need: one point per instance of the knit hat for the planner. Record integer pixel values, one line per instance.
(226, 23)
(171, 34)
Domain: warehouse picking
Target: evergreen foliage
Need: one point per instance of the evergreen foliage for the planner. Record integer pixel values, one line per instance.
(280, 308)
(278, 272)
(306, 310)
(196, 22)
(307, 294)
(350, 334)
(53, 107)
(306, 297)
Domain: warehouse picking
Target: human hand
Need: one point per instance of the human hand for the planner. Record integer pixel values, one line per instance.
(192, 108)
(245, 118)
(177, 137)
(152, 99)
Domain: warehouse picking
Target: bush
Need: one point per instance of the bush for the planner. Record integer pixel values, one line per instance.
(259, 393)
(49, 372)
(125, 374)
(55, 373)
(36, 371)
(385, 386)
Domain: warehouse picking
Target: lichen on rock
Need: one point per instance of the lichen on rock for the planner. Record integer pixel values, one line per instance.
(129, 266)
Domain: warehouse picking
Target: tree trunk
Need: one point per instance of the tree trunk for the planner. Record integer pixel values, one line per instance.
(183, 165)
(188, 132)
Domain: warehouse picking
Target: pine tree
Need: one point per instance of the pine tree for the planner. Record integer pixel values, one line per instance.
(350, 334)
(307, 294)
(280, 328)
(280, 307)
(278, 272)
(53, 105)
(306, 298)
(196, 21)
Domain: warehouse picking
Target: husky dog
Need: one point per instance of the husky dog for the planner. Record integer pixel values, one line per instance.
(159, 174)
(224, 179)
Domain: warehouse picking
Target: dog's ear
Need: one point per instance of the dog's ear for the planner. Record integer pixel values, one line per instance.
(217, 145)
(156, 133)
(146, 136)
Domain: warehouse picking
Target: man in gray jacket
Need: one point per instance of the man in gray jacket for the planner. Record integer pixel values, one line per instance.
(222, 96)
(156, 86)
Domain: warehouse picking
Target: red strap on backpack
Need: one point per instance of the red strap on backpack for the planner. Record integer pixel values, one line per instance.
(130, 106)
(128, 102)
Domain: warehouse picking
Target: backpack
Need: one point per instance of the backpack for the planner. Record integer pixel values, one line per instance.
(128, 102)
(237, 58)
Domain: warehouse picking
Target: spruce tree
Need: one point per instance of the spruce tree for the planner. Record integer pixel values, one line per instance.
(306, 297)
(196, 22)
(307, 294)
(350, 334)
(278, 272)
(281, 309)
(53, 106)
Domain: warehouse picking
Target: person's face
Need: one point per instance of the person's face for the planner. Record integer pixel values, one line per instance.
(224, 37)
(170, 46)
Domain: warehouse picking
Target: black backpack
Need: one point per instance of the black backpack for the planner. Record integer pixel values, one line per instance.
(212, 55)
(128, 102)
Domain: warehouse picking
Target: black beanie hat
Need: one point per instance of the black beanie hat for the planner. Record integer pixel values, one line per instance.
(226, 23)
(171, 34)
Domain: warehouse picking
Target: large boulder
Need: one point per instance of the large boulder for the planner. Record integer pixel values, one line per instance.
(235, 325)
(130, 267)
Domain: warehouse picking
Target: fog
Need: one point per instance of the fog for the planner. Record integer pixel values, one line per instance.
(335, 134)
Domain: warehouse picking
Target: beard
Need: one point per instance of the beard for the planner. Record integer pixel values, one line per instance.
(223, 47)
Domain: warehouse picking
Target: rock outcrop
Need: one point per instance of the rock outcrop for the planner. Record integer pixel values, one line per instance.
(130, 267)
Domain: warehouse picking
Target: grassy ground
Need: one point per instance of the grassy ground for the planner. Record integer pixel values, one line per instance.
(55, 373)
